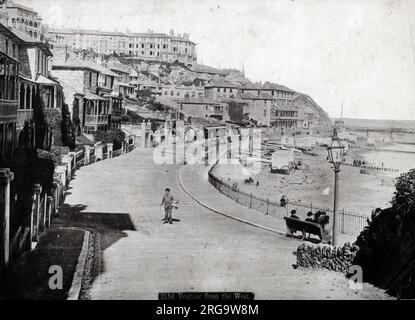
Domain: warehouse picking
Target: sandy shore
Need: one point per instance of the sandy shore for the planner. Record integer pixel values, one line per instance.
(358, 192)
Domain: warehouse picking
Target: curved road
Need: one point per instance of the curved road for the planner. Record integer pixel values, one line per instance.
(205, 251)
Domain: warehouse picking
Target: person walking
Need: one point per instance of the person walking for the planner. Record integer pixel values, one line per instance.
(167, 201)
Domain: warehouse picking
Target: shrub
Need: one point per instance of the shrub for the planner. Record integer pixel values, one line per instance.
(404, 197)
(113, 136)
(387, 245)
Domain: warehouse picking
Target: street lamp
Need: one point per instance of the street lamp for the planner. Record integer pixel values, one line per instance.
(336, 154)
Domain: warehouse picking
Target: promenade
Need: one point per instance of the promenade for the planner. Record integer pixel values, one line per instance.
(139, 256)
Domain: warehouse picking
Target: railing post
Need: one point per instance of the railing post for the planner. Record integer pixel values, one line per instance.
(237, 199)
(267, 205)
(49, 218)
(6, 176)
(250, 202)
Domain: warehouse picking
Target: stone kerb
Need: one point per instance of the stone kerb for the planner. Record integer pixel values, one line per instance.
(326, 256)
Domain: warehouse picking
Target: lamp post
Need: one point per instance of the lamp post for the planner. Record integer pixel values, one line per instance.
(336, 153)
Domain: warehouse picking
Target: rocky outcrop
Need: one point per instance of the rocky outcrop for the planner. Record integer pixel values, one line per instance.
(326, 256)
(304, 101)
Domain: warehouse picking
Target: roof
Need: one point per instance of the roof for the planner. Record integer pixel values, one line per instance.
(266, 86)
(200, 68)
(105, 70)
(73, 62)
(92, 96)
(43, 80)
(221, 84)
(250, 96)
(19, 6)
(150, 35)
(87, 31)
(125, 84)
(24, 39)
(199, 101)
(119, 68)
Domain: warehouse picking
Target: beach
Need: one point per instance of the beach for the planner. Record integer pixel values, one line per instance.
(313, 183)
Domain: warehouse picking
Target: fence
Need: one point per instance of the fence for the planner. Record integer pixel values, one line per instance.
(371, 166)
(348, 222)
(47, 206)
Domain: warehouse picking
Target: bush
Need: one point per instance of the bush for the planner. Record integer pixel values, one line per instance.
(113, 136)
(387, 245)
(28, 170)
(404, 198)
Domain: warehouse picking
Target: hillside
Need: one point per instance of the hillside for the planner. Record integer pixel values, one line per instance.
(308, 102)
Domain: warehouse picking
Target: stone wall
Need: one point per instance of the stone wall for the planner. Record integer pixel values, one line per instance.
(326, 256)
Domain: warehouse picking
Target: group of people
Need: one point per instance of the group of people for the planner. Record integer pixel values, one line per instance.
(320, 217)
(358, 163)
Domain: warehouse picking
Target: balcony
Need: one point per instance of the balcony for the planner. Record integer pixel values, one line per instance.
(96, 120)
(24, 115)
(116, 114)
(8, 110)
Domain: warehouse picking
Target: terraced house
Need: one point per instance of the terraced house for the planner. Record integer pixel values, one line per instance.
(9, 71)
(283, 113)
(79, 77)
(34, 80)
(147, 45)
(23, 19)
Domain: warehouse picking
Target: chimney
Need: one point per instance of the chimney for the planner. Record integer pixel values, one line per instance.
(171, 33)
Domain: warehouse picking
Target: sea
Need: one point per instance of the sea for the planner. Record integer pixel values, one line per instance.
(400, 154)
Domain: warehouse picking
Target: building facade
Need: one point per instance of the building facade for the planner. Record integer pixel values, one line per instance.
(149, 45)
(23, 19)
(182, 92)
(221, 89)
(89, 111)
(9, 70)
(201, 108)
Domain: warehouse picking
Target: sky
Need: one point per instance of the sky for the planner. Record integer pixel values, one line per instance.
(359, 53)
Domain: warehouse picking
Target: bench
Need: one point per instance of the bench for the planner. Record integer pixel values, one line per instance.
(305, 227)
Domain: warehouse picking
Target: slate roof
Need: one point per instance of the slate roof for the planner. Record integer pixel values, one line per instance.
(266, 86)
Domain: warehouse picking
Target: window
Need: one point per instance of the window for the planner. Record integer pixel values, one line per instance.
(218, 89)
(265, 113)
(224, 90)
(90, 79)
(231, 90)
(142, 46)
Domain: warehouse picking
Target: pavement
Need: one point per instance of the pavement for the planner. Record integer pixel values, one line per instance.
(139, 256)
(32, 273)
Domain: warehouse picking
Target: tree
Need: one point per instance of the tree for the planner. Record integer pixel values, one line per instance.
(39, 119)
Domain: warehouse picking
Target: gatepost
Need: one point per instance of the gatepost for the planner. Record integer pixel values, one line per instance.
(87, 156)
(6, 176)
(34, 225)
(110, 151)
(99, 154)
(148, 138)
(67, 161)
(73, 155)
(49, 218)
(143, 134)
